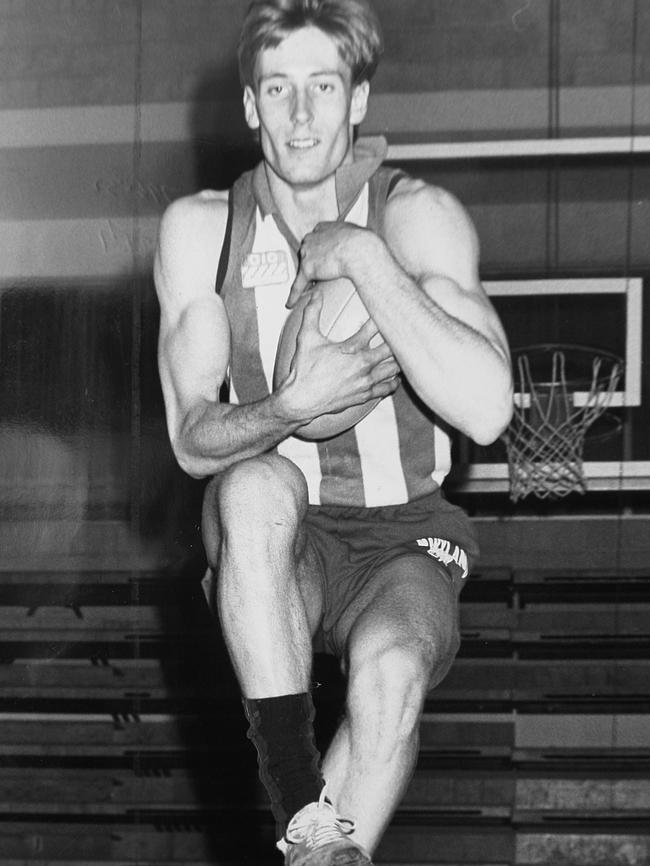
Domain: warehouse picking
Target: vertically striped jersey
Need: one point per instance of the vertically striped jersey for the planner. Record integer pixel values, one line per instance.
(398, 452)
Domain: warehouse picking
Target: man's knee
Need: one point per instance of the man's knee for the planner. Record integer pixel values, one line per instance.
(259, 490)
(398, 677)
(390, 683)
(254, 500)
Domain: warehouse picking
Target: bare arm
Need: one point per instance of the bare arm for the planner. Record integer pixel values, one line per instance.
(194, 353)
(194, 347)
(446, 336)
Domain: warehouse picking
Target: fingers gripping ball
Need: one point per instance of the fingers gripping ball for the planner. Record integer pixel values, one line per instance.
(342, 314)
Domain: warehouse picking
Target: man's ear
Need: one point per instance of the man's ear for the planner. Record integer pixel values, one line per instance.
(250, 108)
(359, 106)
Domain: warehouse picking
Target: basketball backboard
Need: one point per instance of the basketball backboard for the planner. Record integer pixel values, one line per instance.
(603, 313)
(625, 290)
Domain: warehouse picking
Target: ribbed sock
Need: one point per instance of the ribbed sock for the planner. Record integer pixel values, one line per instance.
(282, 731)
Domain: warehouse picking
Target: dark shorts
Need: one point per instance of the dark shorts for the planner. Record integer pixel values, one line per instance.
(352, 543)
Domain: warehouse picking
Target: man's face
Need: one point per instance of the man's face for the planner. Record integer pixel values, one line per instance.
(305, 107)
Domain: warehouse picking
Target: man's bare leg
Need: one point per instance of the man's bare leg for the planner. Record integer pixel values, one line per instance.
(404, 639)
(268, 594)
(269, 605)
(268, 601)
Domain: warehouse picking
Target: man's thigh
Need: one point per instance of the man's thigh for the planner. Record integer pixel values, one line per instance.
(410, 602)
(413, 558)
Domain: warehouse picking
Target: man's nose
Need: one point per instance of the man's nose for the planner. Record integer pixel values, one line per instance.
(302, 107)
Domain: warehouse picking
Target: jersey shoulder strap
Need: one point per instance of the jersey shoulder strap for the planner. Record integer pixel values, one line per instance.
(382, 185)
(240, 226)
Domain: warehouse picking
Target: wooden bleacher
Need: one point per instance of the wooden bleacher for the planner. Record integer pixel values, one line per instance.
(122, 738)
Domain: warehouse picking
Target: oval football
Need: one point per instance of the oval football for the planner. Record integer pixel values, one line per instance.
(343, 313)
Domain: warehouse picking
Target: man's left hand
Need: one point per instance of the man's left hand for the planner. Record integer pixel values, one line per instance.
(328, 252)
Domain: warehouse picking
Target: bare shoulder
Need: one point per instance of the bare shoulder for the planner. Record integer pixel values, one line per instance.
(205, 205)
(416, 200)
(427, 227)
(194, 221)
(190, 238)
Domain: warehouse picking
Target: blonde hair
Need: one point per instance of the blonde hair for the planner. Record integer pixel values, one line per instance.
(352, 24)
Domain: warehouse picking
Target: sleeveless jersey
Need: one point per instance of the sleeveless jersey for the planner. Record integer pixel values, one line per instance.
(398, 452)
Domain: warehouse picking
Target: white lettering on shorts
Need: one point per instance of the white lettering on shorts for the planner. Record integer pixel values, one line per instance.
(265, 269)
(446, 553)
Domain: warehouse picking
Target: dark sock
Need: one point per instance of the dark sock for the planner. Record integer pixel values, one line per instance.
(282, 731)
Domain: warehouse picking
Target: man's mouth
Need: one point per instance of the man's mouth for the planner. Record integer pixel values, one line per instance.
(302, 143)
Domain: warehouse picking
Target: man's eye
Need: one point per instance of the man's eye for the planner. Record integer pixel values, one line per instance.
(325, 87)
(276, 89)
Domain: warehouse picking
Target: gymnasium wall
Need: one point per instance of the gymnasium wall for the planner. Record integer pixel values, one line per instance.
(121, 734)
(109, 109)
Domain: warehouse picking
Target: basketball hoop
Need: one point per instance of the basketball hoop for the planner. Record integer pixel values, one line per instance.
(552, 413)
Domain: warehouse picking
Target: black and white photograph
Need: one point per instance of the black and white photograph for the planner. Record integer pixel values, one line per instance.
(324, 433)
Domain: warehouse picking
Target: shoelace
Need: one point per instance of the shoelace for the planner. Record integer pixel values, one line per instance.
(318, 826)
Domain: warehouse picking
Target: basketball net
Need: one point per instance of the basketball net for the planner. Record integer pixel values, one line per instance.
(545, 439)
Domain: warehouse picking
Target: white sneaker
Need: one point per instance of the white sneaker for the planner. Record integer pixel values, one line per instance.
(316, 836)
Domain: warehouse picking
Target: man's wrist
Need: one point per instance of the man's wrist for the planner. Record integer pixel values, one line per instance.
(365, 256)
(282, 410)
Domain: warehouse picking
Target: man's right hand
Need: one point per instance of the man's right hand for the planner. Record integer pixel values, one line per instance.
(327, 376)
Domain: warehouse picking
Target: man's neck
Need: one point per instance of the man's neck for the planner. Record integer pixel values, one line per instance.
(303, 207)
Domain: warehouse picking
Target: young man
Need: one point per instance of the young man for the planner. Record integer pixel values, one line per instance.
(347, 541)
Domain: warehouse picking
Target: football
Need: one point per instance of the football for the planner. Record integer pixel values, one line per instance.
(342, 314)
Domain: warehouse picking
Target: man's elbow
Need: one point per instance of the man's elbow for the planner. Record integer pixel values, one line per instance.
(188, 462)
(190, 467)
(494, 420)
(195, 472)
